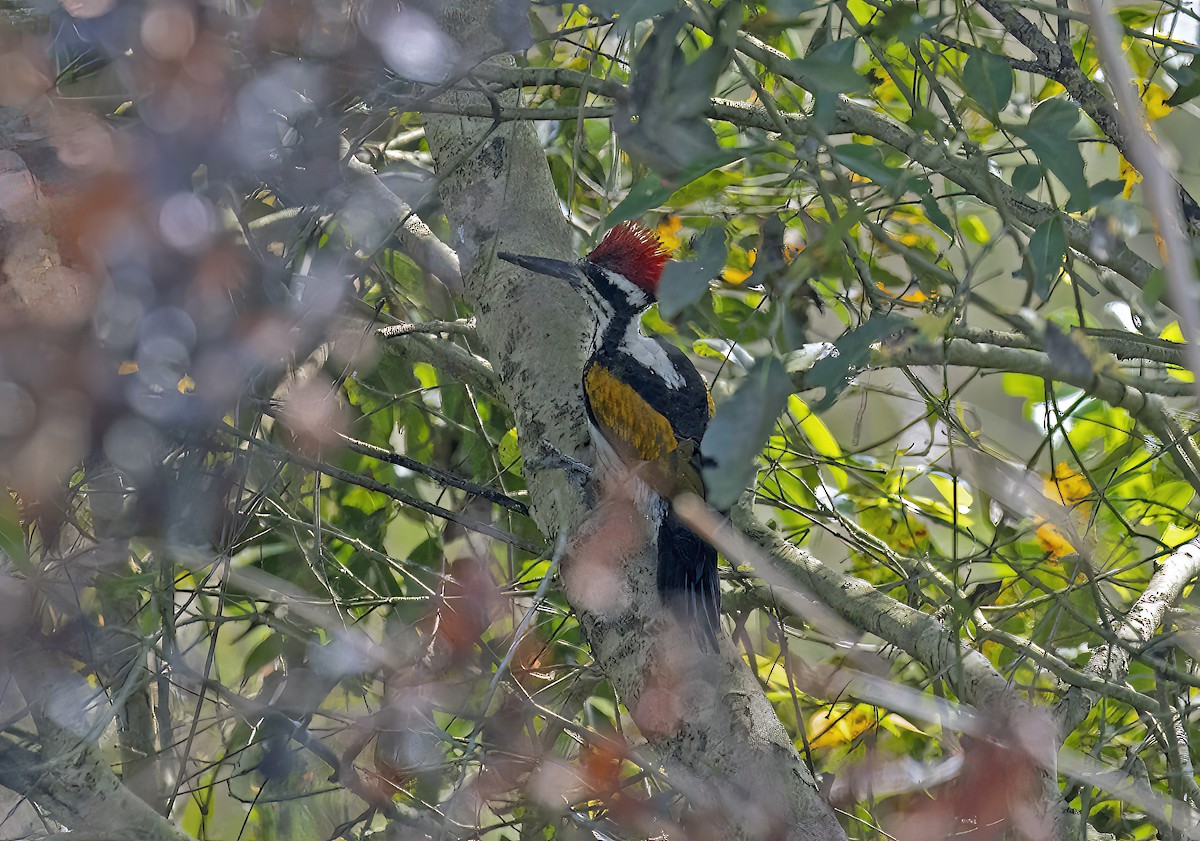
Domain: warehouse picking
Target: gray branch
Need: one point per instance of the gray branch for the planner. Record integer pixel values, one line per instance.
(1110, 662)
(69, 777)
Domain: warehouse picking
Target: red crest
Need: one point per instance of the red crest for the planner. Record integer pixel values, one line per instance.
(634, 252)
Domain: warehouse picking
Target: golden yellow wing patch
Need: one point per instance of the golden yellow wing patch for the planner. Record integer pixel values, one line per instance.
(626, 420)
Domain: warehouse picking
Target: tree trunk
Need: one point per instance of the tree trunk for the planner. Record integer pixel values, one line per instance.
(705, 716)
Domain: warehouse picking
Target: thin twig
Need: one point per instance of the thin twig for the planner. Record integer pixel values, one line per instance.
(438, 475)
(387, 490)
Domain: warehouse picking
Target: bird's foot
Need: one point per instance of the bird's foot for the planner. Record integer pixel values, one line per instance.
(549, 457)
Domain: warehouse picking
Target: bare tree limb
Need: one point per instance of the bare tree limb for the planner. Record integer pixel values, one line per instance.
(419, 242)
(1147, 408)
(69, 777)
(1110, 663)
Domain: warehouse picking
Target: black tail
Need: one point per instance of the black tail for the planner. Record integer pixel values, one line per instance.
(687, 578)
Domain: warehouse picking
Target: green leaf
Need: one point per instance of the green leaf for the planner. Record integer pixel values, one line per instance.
(1026, 177)
(12, 539)
(1066, 356)
(1106, 190)
(664, 123)
(509, 451)
(654, 190)
(684, 282)
(989, 81)
(790, 8)
(867, 161)
(830, 68)
(739, 430)
(706, 186)
(1155, 286)
(632, 11)
(901, 21)
(835, 371)
(924, 121)
(1049, 131)
(1045, 255)
(937, 216)
(263, 653)
(1188, 80)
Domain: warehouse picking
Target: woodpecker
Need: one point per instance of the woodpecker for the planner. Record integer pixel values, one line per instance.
(647, 407)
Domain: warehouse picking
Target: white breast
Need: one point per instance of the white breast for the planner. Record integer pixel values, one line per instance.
(609, 464)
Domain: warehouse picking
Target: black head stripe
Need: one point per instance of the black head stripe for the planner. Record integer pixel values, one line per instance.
(627, 299)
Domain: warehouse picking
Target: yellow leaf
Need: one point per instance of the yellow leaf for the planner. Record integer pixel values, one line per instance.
(186, 385)
(1066, 485)
(127, 367)
(838, 725)
(952, 490)
(1174, 535)
(1172, 333)
(1127, 173)
(975, 230)
(916, 296)
(1155, 100)
(1053, 542)
(668, 232)
(1049, 90)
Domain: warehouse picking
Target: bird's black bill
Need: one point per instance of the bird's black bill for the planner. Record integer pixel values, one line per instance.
(543, 265)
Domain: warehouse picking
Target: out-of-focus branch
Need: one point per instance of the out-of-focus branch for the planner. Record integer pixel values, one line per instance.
(69, 777)
(418, 241)
(108, 493)
(1110, 662)
(1161, 189)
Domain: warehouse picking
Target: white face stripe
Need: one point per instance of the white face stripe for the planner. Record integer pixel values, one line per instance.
(645, 350)
(651, 354)
(634, 294)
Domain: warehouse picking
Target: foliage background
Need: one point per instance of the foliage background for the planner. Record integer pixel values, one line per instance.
(269, 565)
